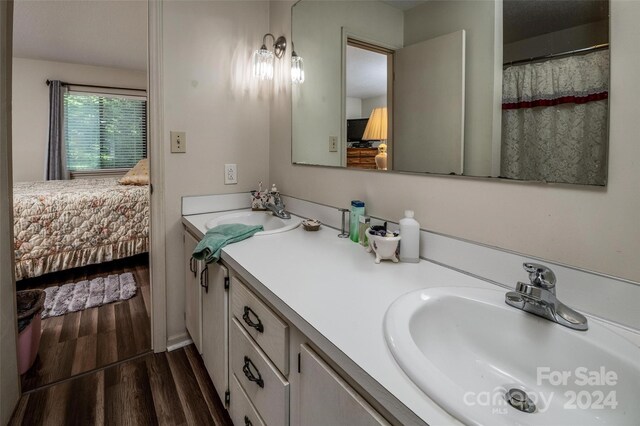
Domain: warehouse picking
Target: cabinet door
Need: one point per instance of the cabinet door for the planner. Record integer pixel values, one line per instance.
(326, 399)
(193, 300)
(215, 328)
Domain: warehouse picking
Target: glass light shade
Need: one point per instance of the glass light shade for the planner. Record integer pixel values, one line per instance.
(297, 69)
(263, 64)
(376, 129)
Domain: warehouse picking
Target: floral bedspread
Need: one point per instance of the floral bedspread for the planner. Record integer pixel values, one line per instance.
(60, 225)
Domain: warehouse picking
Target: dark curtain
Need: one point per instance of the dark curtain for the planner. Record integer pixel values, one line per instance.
(56, 168)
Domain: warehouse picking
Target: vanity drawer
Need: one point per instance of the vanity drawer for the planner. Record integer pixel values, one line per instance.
(265, 387)
(241, 410)
(266, 328)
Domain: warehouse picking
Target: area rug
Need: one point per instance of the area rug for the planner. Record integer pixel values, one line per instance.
(85, 294)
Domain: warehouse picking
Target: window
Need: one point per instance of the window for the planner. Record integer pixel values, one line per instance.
(104, 131)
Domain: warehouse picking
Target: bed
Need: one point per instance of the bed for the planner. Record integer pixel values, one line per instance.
(61, 225)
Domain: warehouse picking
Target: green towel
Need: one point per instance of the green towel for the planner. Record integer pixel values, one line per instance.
(208, 249)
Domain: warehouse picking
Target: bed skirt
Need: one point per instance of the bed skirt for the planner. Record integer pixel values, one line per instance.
(30, 268)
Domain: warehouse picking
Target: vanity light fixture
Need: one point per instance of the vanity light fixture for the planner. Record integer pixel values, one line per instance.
(297, 67)
(263, 58)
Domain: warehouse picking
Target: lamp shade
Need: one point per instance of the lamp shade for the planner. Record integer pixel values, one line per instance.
(376, 129)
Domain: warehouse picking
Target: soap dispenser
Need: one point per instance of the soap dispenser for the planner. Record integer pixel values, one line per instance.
(410, 233)
(357, 210)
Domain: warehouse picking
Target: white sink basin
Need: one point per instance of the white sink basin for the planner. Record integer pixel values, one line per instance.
(464, 348)
(272, 224)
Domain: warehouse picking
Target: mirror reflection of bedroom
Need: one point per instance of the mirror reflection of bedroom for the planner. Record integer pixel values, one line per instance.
(81, 186)
(367, 103)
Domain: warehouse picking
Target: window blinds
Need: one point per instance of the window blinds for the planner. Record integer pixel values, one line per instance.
(104, 131)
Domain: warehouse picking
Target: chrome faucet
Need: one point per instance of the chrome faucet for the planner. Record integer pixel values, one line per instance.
(277, 207)
(539, 298)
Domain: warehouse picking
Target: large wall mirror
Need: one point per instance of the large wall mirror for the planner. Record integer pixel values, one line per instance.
(513, 89)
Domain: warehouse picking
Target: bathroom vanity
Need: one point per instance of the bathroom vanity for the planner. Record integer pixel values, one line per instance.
(265, 369)
(273, 336)
(291, 327)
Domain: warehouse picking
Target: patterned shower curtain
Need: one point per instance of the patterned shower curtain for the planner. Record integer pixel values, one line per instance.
(554, 120)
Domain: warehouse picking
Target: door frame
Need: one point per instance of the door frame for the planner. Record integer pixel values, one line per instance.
(9, 379)
(353, 38)
(10, 382)
(155, 126)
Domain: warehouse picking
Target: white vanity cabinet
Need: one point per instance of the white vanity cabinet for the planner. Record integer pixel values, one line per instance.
(193, 294)
(215, 327)
(263, 368)
(326, 399)
(258, 358)
(207, 315)
(277, 378)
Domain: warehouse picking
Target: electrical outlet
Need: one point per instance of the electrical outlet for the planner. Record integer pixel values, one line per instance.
(230, 174)
(178, 142)
(333, 144)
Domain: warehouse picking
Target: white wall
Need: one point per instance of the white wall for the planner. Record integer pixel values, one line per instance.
(354, 108)
(209, 94)
(31, 106)
(318, 114)
(573, 38)
(592, 228)
(369, 104)
(477, 18)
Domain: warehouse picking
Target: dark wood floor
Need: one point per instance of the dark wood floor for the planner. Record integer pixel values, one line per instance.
(169, 388)
(82, 341)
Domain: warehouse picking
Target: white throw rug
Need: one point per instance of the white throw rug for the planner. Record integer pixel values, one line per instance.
(85, 294)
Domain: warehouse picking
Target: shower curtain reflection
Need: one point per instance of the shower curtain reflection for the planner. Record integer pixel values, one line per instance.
(554, 120)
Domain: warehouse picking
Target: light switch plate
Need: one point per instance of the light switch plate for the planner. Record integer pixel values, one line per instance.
(178, 142)
(230, 174)
(333, 144)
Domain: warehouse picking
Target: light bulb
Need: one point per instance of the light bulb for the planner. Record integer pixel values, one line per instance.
(263, 63)
(297, 69)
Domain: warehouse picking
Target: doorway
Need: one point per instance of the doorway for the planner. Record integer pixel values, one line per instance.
(368, 105)
(99, 247)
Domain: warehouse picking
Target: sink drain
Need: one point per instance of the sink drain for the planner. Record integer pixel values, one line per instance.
(519, 400)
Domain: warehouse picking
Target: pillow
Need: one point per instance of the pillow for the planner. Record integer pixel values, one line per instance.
(138, 175)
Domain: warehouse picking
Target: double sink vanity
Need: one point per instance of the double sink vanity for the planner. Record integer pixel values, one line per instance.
(302, 328)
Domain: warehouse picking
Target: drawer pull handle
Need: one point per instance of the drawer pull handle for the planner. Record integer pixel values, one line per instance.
(258, 326)
(246, 369)
(247, 422)
(192, 266)
(204, 279)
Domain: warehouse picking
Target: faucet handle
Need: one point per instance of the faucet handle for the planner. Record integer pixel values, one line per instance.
(540, 275)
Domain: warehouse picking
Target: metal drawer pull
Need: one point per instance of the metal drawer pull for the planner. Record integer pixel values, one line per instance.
(192, 266)
(246, 369)
(247, 422)
(258, 326)
(204, 279)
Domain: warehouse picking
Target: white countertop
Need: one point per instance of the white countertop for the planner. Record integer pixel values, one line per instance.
(336, 287)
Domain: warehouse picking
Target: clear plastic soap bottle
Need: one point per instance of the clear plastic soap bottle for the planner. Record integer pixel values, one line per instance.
(410, 238)
(365, 222)
(357, 210)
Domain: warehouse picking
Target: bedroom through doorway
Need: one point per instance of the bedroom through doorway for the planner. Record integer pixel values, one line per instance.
(81, 193)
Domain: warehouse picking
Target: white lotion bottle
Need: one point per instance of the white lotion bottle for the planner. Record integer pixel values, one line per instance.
(410, 238)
